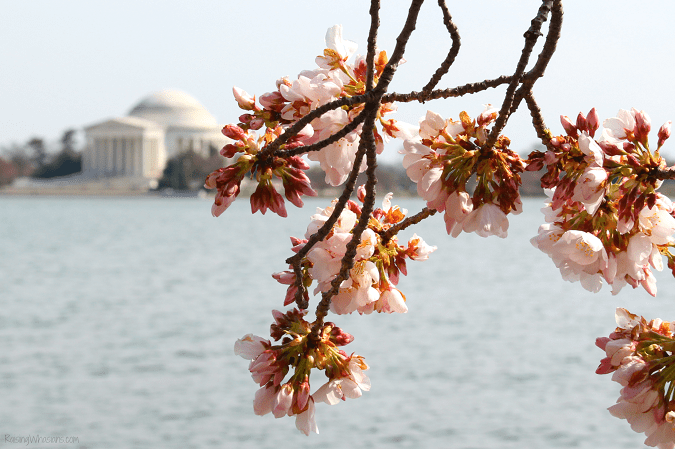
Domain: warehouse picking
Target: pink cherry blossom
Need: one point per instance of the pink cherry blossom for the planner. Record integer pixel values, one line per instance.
(619, 127)
(458, 206)
(590, 188)
(282, 401)
(250, 346)
(264, 400)
(487, 220)
(305, 421)
(581, 247)
(342, 48)
(421, 249)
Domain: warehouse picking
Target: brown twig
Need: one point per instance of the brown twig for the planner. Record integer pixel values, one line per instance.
(531, 37)
(348, 128)
(470, 88)
(537, 119)
(409, 221)
(367, 144)
(452, 54)
(372, 43)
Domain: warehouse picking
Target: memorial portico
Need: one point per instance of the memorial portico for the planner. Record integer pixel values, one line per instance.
(160, 126)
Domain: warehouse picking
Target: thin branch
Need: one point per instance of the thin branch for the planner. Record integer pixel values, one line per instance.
(372, 41)
(296, 260)
(399, 49)
(552, 38)
(664, 173)
(368, 143)
(304, 121)
(470, 88)
(348, 128)
(531, 36)
(537, 119)
(409, 221)
(454, 50)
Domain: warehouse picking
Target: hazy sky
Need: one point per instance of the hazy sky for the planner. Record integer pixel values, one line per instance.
(71, 63)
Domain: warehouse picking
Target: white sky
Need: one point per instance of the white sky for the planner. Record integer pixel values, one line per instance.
(70, 63)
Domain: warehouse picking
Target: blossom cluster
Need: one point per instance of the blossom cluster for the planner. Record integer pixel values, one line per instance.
(333, 79)
(290, 170)
(605, 221)
(301, 351)
(443, 160)
(372, 281)
(640, 356)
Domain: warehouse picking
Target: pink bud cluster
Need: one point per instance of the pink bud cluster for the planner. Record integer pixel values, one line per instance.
(290, 170)
(640, 355)
(372, 281)
(443, 160)
(300, 353)
(605, 220)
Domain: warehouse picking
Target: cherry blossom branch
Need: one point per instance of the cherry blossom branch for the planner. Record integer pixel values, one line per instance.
(409, 221)
(525, 91)
(323, 231)
(367, 143)
(470, 88)
(450, 59)
(304, 121)
(663, 173)
(350, 127)
(372, 40)
(399, 49)
(550, 44)
(531, 37)
(537, 119)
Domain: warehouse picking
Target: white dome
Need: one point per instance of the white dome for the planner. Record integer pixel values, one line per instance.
(173, 108)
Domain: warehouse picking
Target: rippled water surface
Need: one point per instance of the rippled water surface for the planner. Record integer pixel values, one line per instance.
(119, 316)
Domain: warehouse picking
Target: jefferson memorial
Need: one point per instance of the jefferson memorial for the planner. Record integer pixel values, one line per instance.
(137, 147)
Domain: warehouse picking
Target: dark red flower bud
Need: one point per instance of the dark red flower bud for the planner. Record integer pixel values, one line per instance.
(593, 122)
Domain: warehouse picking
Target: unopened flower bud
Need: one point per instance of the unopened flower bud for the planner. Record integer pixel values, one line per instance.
(592, 121)
(643, 125)
(340, 337)
(245, 101)
(570, 129)
(234, 132)
(582, 124)
(664, 132)
(303, 394)
(257, 123)
(632, 160)
(361, 193)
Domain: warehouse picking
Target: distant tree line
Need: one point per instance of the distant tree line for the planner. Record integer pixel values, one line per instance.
(34, 160)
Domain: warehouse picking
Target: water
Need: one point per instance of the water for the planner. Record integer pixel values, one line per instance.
(119, 316)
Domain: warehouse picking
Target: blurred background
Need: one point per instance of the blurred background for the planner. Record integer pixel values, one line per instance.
(71, 65)
(120, 308)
